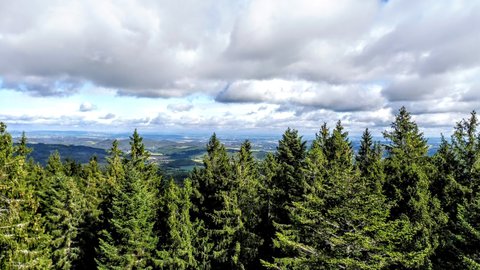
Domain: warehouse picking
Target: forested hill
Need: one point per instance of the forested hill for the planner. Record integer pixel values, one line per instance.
(79, 153)
(319, 205)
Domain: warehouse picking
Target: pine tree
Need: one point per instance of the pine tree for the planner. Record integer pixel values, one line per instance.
(23, 243)
(266, 230)
(177, 232)
(54, 164)
(407, 187)
(209, 181)
(22, 148)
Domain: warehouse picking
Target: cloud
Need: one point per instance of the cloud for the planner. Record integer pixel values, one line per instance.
(87, 107)
(180, 107)
(108, 116)
(304, 94)
(304, 57)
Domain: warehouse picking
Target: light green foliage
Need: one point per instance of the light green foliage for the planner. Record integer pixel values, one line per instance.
(64, 217)
(129, 242)
(23, 243)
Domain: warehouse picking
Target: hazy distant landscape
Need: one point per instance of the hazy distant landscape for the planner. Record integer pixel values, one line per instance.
(175, 154)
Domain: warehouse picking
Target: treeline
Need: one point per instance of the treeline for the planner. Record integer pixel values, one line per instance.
(319, 206)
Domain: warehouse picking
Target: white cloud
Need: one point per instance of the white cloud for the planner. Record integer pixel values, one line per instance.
(308, 59)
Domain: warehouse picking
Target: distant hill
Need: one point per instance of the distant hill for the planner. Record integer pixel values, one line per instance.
(79, 153)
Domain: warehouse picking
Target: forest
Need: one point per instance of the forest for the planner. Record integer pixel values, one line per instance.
(318, 206)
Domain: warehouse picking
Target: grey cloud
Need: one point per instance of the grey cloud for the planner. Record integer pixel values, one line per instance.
(87, 107)
(108, 116)
(180, 107)
(416, 88)
(130, 47)
(41, 86)
(304, 94)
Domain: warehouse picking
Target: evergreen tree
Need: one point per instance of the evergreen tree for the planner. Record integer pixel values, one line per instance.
(209, 186)
(408, 189)
(456, 186)
(177, 232)
(23, 243)
(339, 223)
(369, 162)
(64, 216)
(129, 240)
(284, 184)
(94, 188)
(288, 185)
(266, 230)
(237, 244)
(22, 148)
(54, 164)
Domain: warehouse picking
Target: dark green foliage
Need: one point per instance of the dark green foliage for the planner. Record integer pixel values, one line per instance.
(284, 183)
(129, 241)
(456, 185)
(237, 244)
(177, 233)
(340, 223)
(321, 208)
(408, 188)
(369, 162)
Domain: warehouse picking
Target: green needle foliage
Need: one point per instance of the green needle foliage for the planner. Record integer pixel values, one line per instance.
(387, 206)
(23, 242)
(177, 232)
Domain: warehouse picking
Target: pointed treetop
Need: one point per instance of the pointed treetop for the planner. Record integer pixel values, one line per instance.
(137, 148)
(213, 144)
(404, 137)
(22, 148)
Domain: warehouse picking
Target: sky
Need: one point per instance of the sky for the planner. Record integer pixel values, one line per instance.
(237, 66)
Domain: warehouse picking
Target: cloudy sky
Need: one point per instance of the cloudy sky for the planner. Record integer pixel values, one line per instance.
(237, 66)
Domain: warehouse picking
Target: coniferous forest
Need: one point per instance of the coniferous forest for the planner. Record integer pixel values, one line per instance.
(318, 206)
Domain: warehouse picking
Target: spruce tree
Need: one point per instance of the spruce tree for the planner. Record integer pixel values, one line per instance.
(407, 187)
(23, 243)
(369, 162)
(288, 185)
(63, 219)
(339, 223)
(210, 183)
(129, 241)
(94, 188)
(456, 185)
(237, 243)
(177, 232)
